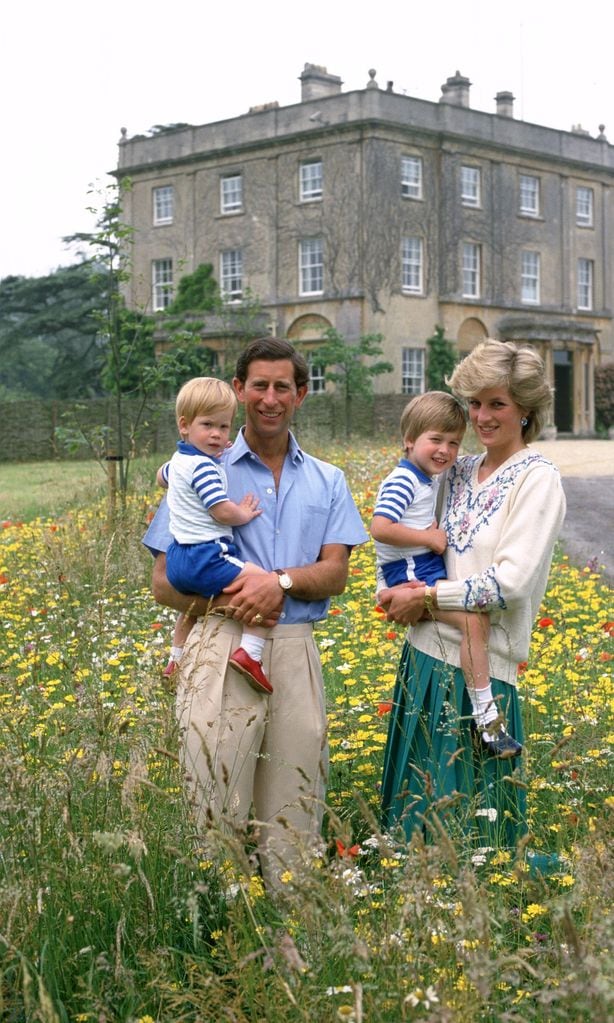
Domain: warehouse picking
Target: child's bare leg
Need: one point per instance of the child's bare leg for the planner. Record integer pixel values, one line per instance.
(247, 659)
(475, 630)
(183, 625)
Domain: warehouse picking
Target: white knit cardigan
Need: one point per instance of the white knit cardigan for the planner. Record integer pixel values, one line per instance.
(501, 536)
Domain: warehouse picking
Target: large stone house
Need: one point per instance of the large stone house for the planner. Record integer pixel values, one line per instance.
(376, 212)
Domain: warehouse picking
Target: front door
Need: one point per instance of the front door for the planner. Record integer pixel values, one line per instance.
(563, 391)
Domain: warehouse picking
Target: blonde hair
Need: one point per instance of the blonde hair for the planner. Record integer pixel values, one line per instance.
(521, 371)
(203, 396)
(434, 410)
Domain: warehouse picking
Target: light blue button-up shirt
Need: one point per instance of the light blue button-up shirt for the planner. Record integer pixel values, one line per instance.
(312, 507)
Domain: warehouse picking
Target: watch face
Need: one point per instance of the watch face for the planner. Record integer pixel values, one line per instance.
(285, 581)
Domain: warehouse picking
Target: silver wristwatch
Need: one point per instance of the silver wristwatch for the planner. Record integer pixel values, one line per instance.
(285, 581)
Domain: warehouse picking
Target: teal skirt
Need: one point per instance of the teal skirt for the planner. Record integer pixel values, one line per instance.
(433, 774)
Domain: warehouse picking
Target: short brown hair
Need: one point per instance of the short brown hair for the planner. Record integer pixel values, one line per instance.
(434, 410)
(202, 396)
(272, 349)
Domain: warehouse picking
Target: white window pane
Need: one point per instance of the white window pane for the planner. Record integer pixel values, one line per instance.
(530, 274)
(311, 179)
(585, 283)
(411, 177)
(231, 274)
(584, 206)
(411, 265)
(231, 193)
(412, 371)
(163, 199)
(470, 186)
(529, 195)
(311, 266)
(471, 270)
(162, 283)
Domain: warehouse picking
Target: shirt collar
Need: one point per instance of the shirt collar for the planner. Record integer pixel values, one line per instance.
(185, 448)
(241, 449)
(406, 464)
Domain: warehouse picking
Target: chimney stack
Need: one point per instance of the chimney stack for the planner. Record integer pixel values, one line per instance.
(455, 90)
(316, 83)
(505, 104)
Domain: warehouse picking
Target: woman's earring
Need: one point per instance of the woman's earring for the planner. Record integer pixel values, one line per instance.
(524, 421)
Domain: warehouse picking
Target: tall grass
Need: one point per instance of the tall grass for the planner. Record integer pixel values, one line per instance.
(111, 908)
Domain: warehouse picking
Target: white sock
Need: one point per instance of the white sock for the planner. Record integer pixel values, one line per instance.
(176, 652)
(253, 645)
(484, 708)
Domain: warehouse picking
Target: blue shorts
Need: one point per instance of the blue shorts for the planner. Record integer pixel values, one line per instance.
(427, 568)
(203, 568)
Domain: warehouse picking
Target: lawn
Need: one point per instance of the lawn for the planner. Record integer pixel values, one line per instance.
(110, 910)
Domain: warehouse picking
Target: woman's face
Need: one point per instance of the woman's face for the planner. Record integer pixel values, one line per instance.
(495, 417)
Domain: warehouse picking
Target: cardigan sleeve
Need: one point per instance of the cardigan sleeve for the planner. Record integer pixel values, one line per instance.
(529, 526)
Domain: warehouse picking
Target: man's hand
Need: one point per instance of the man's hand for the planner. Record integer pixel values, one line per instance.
(403, 604)
(255, 594)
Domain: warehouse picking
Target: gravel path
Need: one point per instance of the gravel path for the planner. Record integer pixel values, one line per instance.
(587, 468)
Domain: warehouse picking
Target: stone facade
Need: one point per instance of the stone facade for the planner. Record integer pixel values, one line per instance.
(375, 212)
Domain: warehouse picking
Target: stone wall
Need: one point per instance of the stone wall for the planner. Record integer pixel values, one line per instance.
(152, 429)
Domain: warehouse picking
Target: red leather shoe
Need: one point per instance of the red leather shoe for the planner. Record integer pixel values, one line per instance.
(251, 670)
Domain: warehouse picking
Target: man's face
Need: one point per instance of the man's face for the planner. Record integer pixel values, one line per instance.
(270, 397)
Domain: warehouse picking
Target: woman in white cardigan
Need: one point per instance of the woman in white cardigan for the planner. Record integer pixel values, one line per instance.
(502, 511)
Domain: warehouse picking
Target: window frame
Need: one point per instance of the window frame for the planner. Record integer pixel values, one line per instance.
(311, 268)
(411, 184)
(532, 209)
(412, 265)
(411, 372)
(317, 374)
(229, 275)
(471, 197)
(474, 249)
(228, 204)
(160, 219)
(586, 217)
(588, 284)
(530, 277)
(161, 284)
(307, 191)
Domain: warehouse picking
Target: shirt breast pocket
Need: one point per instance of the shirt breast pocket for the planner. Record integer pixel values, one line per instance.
(313, 530)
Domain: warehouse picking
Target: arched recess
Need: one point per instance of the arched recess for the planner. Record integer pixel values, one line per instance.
(470, 333)
(306, 332)
(310, 327)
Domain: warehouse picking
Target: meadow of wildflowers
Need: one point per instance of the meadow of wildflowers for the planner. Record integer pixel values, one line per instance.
(111, 911)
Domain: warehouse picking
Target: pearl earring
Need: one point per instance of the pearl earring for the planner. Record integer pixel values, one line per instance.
(524, 421)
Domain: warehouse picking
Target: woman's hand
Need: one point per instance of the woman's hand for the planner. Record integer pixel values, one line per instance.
(403, 604)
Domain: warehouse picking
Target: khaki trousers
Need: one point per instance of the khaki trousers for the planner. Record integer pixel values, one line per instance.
(248, 753)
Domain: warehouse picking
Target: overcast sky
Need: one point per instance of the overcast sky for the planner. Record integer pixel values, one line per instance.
(73, 74)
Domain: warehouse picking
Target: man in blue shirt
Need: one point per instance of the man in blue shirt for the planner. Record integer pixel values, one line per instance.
(243, 752)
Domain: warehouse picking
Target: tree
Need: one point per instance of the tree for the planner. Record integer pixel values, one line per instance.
(197, 292)
(347, 366)
(441, 360)
(50, 342)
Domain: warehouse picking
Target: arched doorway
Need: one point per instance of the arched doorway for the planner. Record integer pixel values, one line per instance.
(305, 332)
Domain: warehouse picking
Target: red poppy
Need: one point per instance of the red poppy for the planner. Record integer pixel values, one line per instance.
(343, 850)
(155, 625)
(608, 627)
(545, 623)
(384, 708)
(522, 667)
(391, 635)
(335, 611)
(605, 656)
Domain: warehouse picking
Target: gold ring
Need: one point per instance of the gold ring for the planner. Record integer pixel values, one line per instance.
(258, 618)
